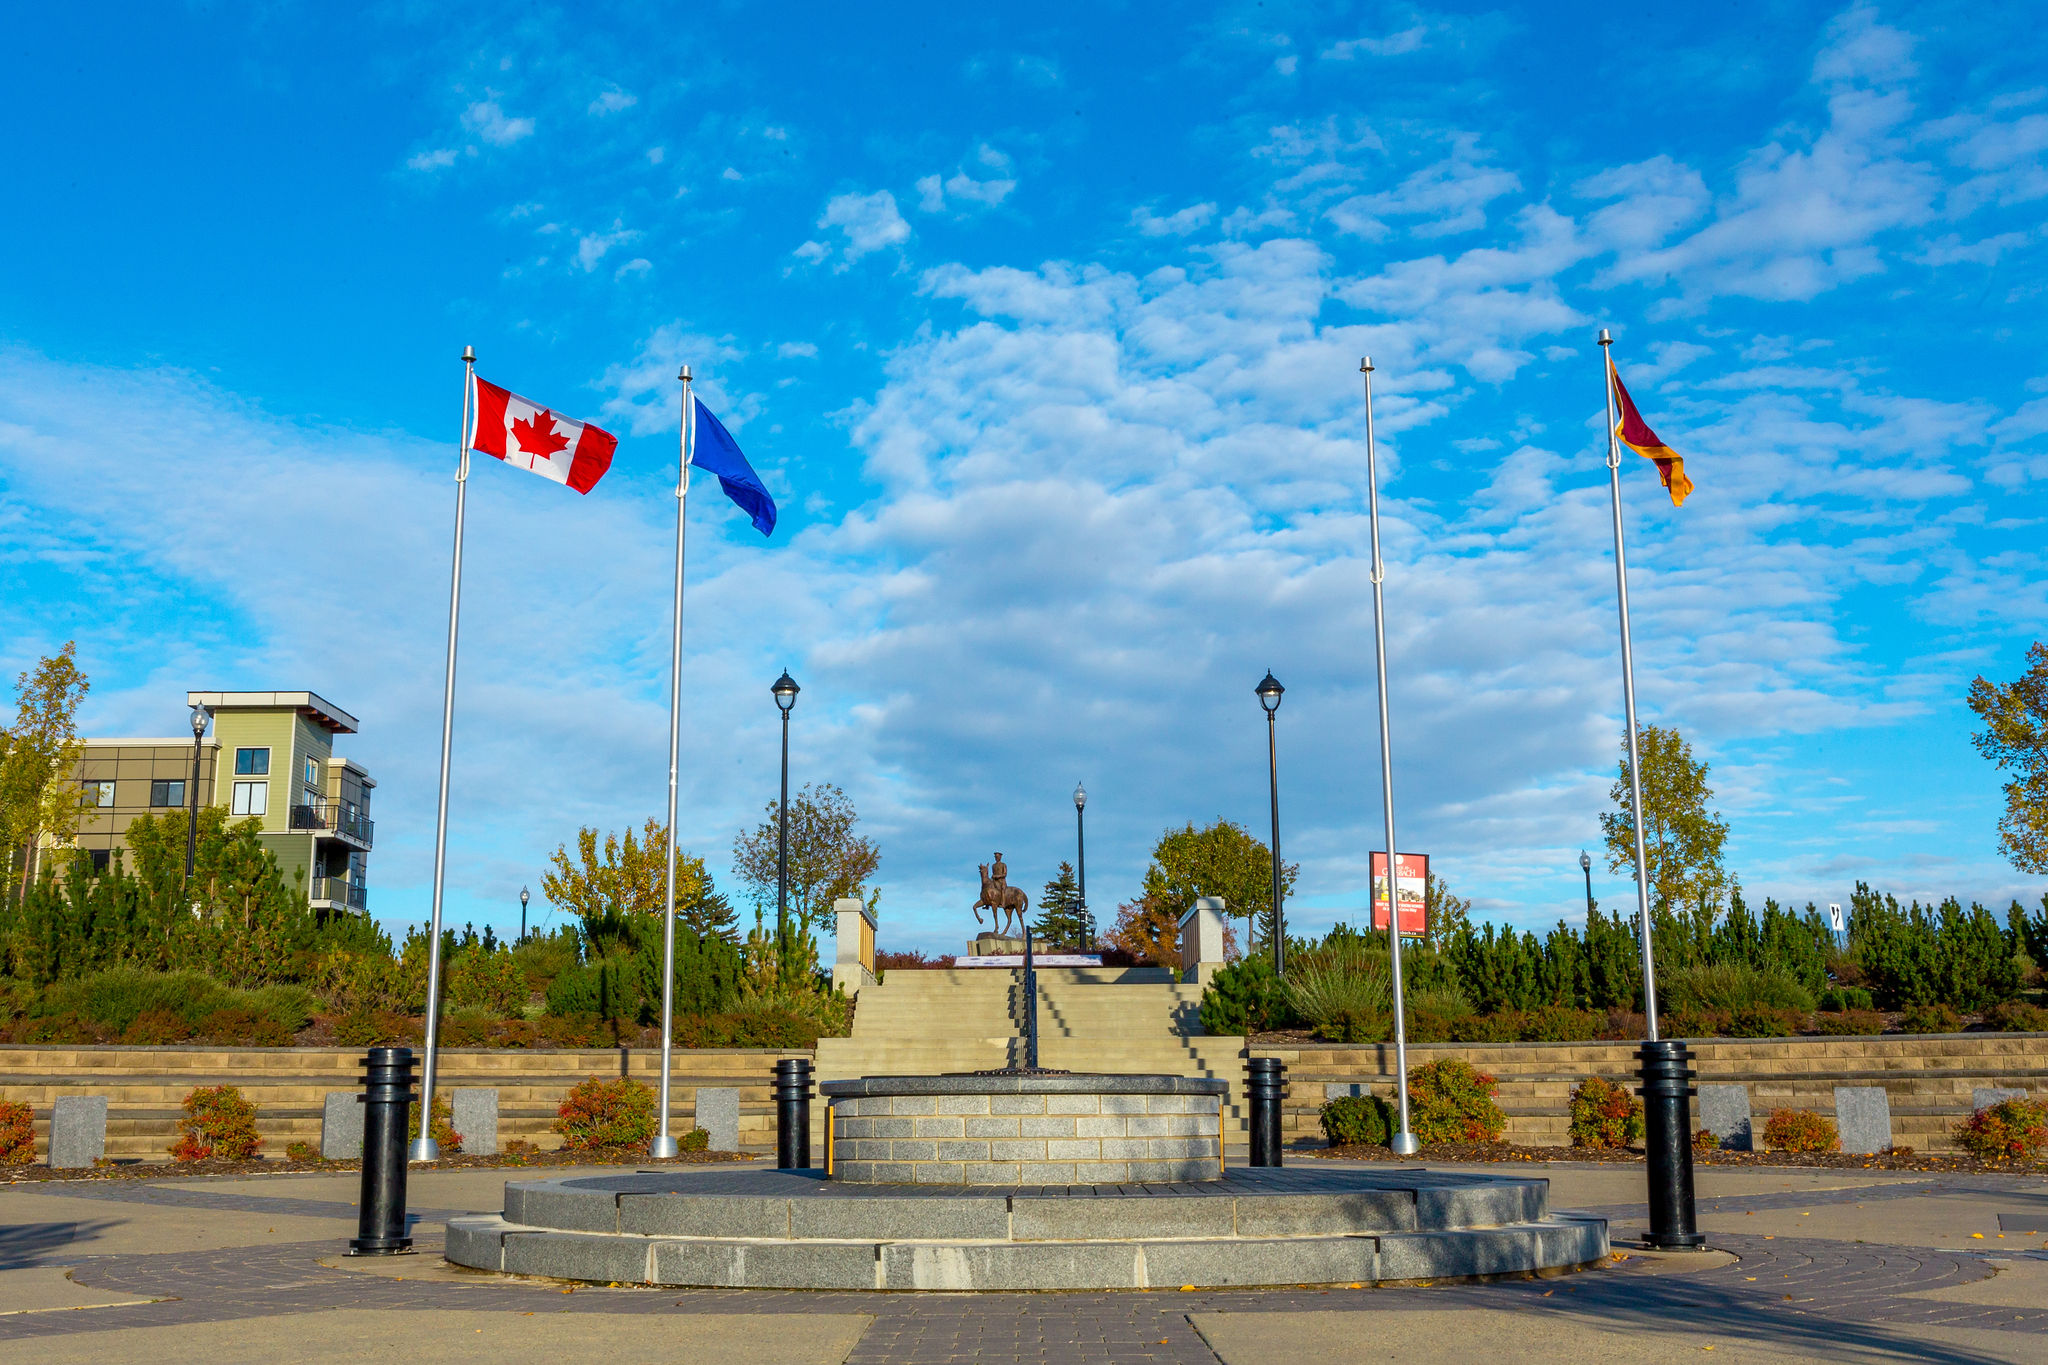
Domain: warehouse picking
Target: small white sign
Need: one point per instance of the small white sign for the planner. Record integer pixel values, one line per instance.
(1835, 917)
(1037, 959)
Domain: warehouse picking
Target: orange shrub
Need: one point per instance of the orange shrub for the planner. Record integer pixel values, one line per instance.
(606, 1114)
(218, 1123)
(1605, 1115)
(17, 1134)
(1800, 1130)
(2004, 1131)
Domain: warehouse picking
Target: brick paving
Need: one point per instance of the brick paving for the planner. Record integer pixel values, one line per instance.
(1825, 1295)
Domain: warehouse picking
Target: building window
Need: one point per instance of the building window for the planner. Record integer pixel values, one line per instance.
(100, 858)
(312, 772)
(252, 762)
(99, 794)
(252, 798)
(167, 793)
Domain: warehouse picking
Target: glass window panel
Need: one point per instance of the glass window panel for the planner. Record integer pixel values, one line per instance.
(252, 762)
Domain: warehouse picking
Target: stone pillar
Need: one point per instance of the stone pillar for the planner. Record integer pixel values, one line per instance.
(1201, 941)
(1724, 1112)
(341, 1126)
(718, 1114)
(474, 1111)
(853, 959)
(1863, 1118)
(78, 1131)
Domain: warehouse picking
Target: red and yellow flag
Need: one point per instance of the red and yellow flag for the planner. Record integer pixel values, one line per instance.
(1632, 431)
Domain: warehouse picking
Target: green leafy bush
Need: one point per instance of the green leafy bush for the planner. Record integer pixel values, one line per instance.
(2017, 1016)
(375, 1028)
(1838, 998)
(2009, 1130)
(696, 1140)
(218, 1124)
(1562, 1024)
(1931, 1017)
(486, 979)
(298, 1149)
(1764, 1021)
(1245, 997)
(1850, 1022)
(601, 1113)
(767, 1028)
(291, 1006)
(1358, 1120)
(1449, 1101)
(1733, 987)
(1800, 1130)
(1605, 1115)
(17, 1134)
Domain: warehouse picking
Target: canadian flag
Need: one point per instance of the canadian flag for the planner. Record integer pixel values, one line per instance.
(521, 432)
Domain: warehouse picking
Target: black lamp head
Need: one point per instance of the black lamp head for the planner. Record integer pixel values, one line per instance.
(785, 690)
(1269, 690)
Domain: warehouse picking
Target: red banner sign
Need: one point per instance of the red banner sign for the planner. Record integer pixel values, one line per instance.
(1413, 892)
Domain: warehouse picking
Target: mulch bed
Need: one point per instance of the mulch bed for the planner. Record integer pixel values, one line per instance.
(1838, 1161)
(164, 1170)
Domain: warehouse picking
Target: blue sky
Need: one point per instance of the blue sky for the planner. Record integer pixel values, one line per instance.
(1045, 331)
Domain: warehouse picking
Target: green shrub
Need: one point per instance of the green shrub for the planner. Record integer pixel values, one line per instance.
(1357, 1026)
(544, 957)
(1763, 1021)
(1502, 1026)
(1800, 1130)
(569, 1030)
(1932, 1017)
(1695, 1024)
(445, 1136)
(2017, 1016)
(486, 980)
(1245, 997)
(156, 1028)
(298, 1149)
(1561, 1024)
(1448, 1101)
(1850, 1022)
(376, 1028)
(1732, 987)
(17, 1134)
(1605, 1115)
(1838, 998)
(118, 998)
(696, 1140)
(2009, 1130)
(1340, 987)
(218, 1123)
(240, 1026)
(601, 1113)
(1437, 1014)
(1358, 1120)
(766, 1028)
(291, 1006)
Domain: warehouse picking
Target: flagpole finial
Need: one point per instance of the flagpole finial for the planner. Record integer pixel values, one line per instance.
(1365, 365)
(469, 355)
(1605, 338)
(684, 377)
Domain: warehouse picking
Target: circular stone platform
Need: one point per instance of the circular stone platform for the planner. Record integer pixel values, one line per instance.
(1025, 1129)
(766, 1229)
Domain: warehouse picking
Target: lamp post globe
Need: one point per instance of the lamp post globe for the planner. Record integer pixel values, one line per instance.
(200, 717)
(524, 897)
(1269, 692)
(784, 689)
(1586, 866)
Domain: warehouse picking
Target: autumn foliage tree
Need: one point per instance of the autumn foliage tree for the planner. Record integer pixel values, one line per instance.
(1219, 860)
(2015, 737)
(1682, 834)
(628, 876)
(39, 756)
(827, 860)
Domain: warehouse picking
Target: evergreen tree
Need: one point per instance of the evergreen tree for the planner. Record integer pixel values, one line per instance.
(1061, 925)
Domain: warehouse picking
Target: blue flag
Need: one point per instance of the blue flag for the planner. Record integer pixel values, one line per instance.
(716, 451)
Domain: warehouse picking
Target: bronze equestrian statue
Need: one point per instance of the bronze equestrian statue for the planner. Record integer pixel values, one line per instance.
(1000, 898)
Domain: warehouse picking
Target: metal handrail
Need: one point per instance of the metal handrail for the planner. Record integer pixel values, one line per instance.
(328, 814)
(339, 889)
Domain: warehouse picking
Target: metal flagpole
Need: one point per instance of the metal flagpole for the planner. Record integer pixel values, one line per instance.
(1628, 691)
(424, 1148)
(664, 1145)
(1404, 1143)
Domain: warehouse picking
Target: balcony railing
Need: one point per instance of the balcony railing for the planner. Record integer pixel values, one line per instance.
(346, 821)
(339, 891)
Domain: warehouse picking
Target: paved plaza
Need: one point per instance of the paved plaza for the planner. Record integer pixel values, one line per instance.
(1810, 1265)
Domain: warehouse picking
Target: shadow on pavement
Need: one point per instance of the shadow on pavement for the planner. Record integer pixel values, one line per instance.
(27, 1244)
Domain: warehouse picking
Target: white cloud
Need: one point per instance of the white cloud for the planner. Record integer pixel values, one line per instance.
(612, 101)
(867, 223)
(438, 160)
(1447, 197)
(1407, 40)
(489, 121)
(1176, 224)
(962, 191)
(796, 350)
(592, 247)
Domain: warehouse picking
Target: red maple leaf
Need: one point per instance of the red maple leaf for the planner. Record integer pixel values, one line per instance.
(537, 436)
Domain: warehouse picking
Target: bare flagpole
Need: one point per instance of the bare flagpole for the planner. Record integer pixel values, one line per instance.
(664, 1144)
(424, 1148)
(1628, 691)
(1404, 1143)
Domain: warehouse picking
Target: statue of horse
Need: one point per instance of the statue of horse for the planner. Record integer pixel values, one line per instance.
(1002, 901)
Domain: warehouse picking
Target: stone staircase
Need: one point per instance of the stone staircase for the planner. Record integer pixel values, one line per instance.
(1119, 1020)
(145, 1087)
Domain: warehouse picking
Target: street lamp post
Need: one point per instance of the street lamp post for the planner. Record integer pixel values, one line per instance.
(1586, 866)
(1269, 690)
(1081, 861)
(785, 690)
(524, 896)
(200, 716)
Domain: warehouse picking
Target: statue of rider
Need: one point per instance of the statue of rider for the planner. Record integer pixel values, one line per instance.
(999, 876)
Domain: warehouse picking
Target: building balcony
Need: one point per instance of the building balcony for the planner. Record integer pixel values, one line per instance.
(337, 891)
(334, 817)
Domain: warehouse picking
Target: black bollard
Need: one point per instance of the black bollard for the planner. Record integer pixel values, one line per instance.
(1265, 1082)
(793, 1114)
(387, 1100)
(1667, 1136)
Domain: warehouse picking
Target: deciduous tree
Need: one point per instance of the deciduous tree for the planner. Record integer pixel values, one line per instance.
(827, 860)
(2015, 737)
(1221, 860)
(39, 754)
(628, 876)
(1682, 834)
